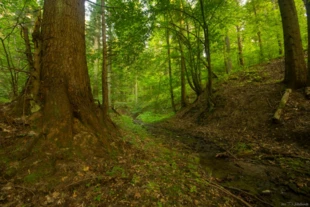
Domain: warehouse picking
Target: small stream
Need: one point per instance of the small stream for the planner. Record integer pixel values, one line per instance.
(250, 178)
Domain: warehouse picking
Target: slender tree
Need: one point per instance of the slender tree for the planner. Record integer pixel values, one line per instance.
(169, 71)
(105, 88)
(207, 52)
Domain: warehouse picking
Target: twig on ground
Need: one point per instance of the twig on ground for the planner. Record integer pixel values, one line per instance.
(22, 187)
(221, 188)
(242, 191)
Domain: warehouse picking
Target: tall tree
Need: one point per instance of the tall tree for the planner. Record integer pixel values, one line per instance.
(295, 66)
(207, 52)
(65, 88)
(105, 89)
(169, 71)
(307, 5)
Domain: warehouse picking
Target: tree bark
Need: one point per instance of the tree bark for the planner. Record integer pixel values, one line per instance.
(295, 66)
(65, 88)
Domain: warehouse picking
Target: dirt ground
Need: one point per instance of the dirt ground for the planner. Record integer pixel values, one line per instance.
(241, 145)
(231, 155)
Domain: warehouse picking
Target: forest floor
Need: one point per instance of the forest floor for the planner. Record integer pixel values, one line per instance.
(233, 155)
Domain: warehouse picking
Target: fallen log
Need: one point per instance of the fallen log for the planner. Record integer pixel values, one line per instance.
(277, 115)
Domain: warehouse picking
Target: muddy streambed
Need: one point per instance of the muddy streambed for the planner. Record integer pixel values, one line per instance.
(258, 179)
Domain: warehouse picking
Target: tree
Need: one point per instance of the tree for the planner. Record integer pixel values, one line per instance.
(295, 66)
(307, 5)
(105, 89)
(65, 84)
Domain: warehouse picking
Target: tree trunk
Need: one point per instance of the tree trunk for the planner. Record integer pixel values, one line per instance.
(183, 82)
(170, 71)
(182, 63)
(295, 66)
(240, 50)
(105, 87)
(307, 5)
(260, 43)
(65, 88)
(13, 81)
(280, 45)
(208, 54)
(228, 64)
(96, 65)
(259, 34)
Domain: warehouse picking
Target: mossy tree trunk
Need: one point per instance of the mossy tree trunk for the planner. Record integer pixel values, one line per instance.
(65, 84)
(295, 65)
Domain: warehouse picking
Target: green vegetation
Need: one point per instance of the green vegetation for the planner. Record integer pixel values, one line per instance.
(150, 117)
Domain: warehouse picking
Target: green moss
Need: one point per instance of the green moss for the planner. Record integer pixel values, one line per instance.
(32, 177)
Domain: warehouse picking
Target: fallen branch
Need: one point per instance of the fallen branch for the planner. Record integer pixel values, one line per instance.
(221, 188)
(242, 191)
(277, 115)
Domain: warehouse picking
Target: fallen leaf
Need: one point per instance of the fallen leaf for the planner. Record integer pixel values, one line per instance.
(85, 168)
(137, 195)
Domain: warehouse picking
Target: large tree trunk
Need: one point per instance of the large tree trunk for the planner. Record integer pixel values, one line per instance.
(65, 88)
(295, 66)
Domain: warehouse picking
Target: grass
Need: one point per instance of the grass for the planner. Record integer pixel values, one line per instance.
(150, 117)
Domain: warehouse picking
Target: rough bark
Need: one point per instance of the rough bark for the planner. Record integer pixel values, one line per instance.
(295, 66)
(65, 88)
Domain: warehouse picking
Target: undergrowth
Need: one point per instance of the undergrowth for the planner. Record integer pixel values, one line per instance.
(150, 117)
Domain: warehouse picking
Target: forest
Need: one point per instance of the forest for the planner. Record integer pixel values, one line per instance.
(154, 103)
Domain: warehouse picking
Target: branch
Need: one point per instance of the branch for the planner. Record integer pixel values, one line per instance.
(277, 116)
